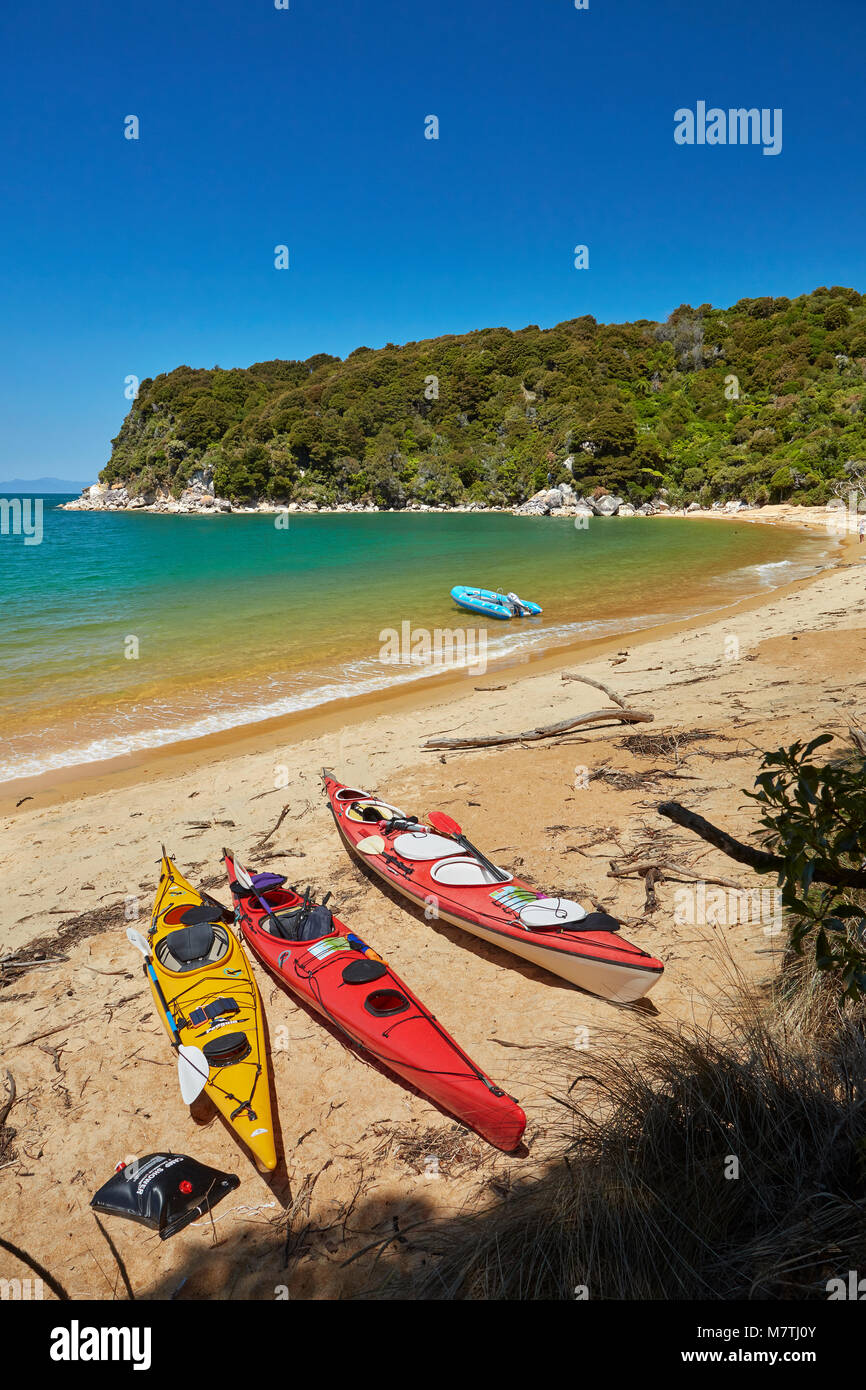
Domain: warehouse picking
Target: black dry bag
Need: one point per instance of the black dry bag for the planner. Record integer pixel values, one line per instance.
(164, 1191)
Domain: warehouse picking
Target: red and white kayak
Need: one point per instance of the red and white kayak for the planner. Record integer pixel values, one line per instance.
(437, 872)
(335, 972)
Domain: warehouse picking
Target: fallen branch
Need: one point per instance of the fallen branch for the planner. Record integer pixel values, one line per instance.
(666, 870)
(271, 833)
(11, 1101)
(23, 963)
(653, 876)
(758, 859)
(49, 1031)
(624, 716)
(587, 680)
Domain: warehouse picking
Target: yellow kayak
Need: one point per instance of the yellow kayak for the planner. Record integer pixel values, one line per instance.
(209, 988)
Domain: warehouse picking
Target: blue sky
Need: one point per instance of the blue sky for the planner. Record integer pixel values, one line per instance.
(305, 127)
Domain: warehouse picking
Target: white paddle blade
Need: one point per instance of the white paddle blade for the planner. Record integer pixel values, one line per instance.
(138, 941)
(373, 844)
(192, 1072)
(241, 874)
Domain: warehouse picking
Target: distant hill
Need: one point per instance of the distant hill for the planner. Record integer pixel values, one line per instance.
(765, 401)
(40, 485)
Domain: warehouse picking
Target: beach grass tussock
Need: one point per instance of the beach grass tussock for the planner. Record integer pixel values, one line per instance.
(698, 1162)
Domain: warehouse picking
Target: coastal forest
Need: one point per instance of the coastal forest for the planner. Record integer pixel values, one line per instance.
(764, 401)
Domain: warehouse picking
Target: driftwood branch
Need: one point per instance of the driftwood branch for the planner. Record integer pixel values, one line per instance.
(598, 716)
(758, 859)
(651, 902)
(587, 680)
(665, 869)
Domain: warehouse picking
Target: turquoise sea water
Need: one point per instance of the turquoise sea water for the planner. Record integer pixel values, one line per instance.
(128, 630)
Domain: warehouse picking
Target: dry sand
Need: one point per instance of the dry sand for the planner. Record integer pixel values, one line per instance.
(363, 1157)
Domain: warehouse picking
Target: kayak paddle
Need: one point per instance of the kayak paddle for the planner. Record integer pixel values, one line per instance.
(245, 881)
(193, 1067)
(440, 821)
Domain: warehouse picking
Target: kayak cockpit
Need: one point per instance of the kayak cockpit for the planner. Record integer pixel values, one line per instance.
(296, 925)
(368, 809)
(193, 947)
(290, 916)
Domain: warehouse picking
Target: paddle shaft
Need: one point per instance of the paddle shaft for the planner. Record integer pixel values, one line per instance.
(448, 826)
(162, 999)
(499, 874)
(273, 916)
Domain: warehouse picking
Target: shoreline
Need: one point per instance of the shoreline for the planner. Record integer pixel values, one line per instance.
(401, 697)
(560, 812)
(770, 513)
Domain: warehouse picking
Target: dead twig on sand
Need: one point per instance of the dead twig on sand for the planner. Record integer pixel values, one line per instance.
(295, 1237)
(25, 963)
(6, 1139)
(622, 781)
(257, 848)
(49, 1031)
(598, 716)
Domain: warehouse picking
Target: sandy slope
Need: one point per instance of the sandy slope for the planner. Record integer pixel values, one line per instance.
(94, 1076)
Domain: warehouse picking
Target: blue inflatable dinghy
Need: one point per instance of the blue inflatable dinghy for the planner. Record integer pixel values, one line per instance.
(493, 605)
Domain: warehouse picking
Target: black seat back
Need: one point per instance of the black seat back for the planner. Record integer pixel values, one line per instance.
(190, 943)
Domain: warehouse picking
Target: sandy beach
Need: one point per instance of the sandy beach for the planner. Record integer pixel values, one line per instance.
(93, 1074)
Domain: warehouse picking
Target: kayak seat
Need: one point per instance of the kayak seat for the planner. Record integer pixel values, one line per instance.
(190, 948)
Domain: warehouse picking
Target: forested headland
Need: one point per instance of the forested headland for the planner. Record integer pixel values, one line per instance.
(764, 401)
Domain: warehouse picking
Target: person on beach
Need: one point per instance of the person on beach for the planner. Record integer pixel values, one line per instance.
(862, 529)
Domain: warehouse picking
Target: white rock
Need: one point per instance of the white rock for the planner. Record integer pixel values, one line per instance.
(607, 505)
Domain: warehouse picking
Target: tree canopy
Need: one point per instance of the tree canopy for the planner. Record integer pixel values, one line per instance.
(765, 400)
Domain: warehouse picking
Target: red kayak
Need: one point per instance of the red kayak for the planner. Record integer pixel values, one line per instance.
(439, 872)
(329, 967)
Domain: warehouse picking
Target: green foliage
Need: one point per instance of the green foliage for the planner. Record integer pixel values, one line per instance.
(490, 415)
(814, 815)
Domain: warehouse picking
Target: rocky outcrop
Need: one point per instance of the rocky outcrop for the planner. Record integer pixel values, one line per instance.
(198, 498)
